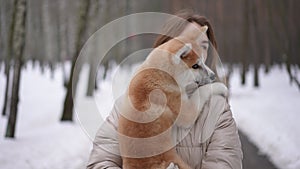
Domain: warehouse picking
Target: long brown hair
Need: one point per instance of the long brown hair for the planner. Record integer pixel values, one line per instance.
(175, 25)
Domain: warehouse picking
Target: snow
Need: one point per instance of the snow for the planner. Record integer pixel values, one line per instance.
(42, 142)
(267, 115)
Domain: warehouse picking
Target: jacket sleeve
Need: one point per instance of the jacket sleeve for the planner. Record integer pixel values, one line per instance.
(105, 152)
(224, 146)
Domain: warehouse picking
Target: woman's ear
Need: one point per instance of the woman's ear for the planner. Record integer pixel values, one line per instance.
(181, 53)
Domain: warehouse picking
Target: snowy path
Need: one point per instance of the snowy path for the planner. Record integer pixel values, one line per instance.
(252, 157)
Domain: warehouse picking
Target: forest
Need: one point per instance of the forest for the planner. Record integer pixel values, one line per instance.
(251, 34)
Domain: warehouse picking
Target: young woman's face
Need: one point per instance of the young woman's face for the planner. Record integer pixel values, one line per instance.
(203, 41)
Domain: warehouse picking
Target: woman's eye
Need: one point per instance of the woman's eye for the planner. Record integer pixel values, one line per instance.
(204, 47)
(195, 66)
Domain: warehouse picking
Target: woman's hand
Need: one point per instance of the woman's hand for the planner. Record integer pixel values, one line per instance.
(190, 89)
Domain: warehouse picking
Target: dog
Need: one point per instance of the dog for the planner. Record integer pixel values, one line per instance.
(162, 93)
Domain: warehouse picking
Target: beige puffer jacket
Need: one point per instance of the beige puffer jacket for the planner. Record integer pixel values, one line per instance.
(212, 143)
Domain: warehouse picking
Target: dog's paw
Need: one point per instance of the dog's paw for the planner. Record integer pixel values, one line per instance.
(219, 89)
(172, 166)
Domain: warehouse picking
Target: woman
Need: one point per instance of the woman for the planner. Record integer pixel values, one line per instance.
(212, 142)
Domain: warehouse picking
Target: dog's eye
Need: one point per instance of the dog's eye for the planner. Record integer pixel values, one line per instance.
(183, 55)
(195, 66)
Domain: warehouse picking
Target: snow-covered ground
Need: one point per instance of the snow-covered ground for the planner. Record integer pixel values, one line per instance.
(270, 115)
(42, 142)
(267, 115)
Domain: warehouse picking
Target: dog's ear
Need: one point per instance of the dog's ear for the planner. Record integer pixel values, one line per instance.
(204, 28)
(199, 38)
(181, 53)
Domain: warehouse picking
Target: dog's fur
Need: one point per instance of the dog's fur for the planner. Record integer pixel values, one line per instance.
(157, 98)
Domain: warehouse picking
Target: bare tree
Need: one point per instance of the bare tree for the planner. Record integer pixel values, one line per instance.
(18, 48)
(67, 114)
(266, 39)
(7, 63)
(246, 43)
(92, 57)
(63, 38)
(255, 41)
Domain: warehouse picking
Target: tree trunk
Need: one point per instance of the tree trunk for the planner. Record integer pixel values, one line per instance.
(228, 75)
(65, 77)
(243, 74)
(92, 76)
(10, 130)
(63, 48)
(245, 43)
(1, 35)
(93, 48)
(7, 88)
(18, 49)
(256, 75)
(67, 114)
(256, 42)
(267, 47)
(8, 59)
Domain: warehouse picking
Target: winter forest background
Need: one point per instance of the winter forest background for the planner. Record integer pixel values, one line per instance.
(40, 40)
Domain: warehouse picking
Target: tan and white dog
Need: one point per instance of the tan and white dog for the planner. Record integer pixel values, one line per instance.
(162, 93)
